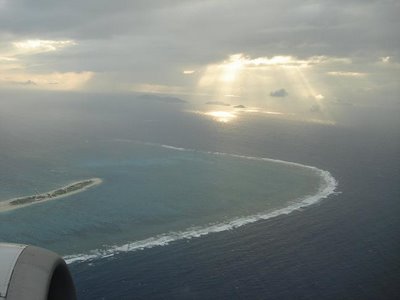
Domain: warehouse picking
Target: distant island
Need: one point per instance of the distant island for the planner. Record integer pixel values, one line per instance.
(163, 99)
(218, 103)
(239, 106)
(65, 191)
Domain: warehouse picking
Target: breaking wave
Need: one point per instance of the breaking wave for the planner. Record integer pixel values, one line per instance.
(328, 187)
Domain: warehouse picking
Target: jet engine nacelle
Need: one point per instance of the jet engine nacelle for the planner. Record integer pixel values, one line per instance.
(28, 272)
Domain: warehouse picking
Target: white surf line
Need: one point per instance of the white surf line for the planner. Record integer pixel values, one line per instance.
(327, 188)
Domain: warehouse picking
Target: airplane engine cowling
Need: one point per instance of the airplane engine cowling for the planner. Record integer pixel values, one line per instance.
(29, 272)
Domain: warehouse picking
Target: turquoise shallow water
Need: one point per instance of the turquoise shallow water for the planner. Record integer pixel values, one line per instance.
(151, 195)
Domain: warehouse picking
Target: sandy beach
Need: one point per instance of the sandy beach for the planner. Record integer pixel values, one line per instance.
(68, 190)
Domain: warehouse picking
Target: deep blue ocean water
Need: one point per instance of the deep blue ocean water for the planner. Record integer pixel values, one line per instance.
(345, 247)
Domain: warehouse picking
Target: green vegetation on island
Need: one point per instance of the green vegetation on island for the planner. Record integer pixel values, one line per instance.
(64, 191)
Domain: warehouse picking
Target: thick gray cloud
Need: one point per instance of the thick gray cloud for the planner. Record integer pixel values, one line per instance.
(140, 41)
(207, 30)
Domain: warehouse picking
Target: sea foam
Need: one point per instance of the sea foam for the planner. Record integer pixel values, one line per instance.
(328, 187)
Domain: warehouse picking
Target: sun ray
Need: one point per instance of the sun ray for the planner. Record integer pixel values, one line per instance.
(253, 79)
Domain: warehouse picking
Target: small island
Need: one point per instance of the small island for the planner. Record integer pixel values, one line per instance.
(217, 103)
(73, 188)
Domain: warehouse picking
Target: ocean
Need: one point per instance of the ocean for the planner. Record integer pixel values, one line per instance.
(260, 208)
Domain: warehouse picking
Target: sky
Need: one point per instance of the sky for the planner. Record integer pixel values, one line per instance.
(281, 55)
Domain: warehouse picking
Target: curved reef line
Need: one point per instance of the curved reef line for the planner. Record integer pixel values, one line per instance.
(327, 187)
(68, 190)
